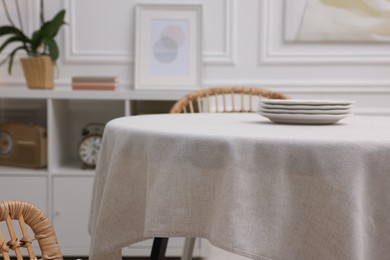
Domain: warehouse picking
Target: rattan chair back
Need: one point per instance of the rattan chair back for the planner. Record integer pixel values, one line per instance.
(223, 99)
(26, 215)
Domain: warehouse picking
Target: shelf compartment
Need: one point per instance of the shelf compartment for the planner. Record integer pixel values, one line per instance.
(143, 107)
(67, 118)
(23, 111)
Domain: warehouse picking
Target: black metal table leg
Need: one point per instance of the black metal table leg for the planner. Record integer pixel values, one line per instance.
(159, 248)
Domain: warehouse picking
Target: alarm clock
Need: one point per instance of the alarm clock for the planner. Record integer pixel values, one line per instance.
(89, 145)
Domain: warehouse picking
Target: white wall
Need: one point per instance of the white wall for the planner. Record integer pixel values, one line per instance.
(242, 45)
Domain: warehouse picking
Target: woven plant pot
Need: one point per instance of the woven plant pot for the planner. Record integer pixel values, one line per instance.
(39, 72)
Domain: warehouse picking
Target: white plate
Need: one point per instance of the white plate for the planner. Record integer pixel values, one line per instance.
(307, 111)
(317, 107)
(304, 119)
(306, 102)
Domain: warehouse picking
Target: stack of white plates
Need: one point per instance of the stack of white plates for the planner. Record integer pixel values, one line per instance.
(295, 111)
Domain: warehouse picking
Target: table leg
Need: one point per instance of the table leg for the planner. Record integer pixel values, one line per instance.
(159, 248)
(188, 248)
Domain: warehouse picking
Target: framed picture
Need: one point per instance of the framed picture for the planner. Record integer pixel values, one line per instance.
(337, 21)
(168, 46)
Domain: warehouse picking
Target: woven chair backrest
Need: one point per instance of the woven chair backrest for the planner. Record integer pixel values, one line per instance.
(223, 99)
(17, 216)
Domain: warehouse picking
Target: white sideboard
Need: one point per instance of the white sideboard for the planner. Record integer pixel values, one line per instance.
(63, 189)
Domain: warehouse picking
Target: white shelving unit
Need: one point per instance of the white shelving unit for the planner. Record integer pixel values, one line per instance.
(63, 189)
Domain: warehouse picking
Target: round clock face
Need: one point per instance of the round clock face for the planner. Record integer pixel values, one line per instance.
(6, 143)
(89, 149)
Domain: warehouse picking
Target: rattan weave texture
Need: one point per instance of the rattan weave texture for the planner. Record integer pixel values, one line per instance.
(200, 101)
(27, 214)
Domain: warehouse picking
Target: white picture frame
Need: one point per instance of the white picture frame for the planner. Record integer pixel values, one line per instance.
(168, 45)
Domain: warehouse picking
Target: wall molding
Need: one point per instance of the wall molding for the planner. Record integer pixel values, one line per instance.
(226, 57)
(274, 50)
(310, 86)
(73, 55)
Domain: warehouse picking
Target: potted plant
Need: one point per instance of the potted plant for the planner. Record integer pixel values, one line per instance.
(41, 48)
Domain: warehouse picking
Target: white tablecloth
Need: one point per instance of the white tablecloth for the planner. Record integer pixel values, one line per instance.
(255, 188)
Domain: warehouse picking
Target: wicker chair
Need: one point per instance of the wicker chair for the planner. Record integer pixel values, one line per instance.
(27, 215)
(200, 101)
(224, 100)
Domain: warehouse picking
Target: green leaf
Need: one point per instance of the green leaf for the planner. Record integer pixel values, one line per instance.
(51, 28)
(53, 48)
(4, 30)
(11, 58)
(7, 30)
(36, 40)
(11, 40)
(3, 61)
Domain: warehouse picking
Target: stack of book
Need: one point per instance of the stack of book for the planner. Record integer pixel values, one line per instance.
(94, 83)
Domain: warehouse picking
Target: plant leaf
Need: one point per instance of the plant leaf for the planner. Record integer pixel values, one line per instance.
(11, 40)
(4, 61)
(36, 40)
(53, 48)
(4, 30)
(51, 28)
(11, 59)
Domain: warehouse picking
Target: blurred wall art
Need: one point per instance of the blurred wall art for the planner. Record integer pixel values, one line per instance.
(337, 20)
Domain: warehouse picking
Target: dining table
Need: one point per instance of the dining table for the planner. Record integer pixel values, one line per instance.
(259, 189)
